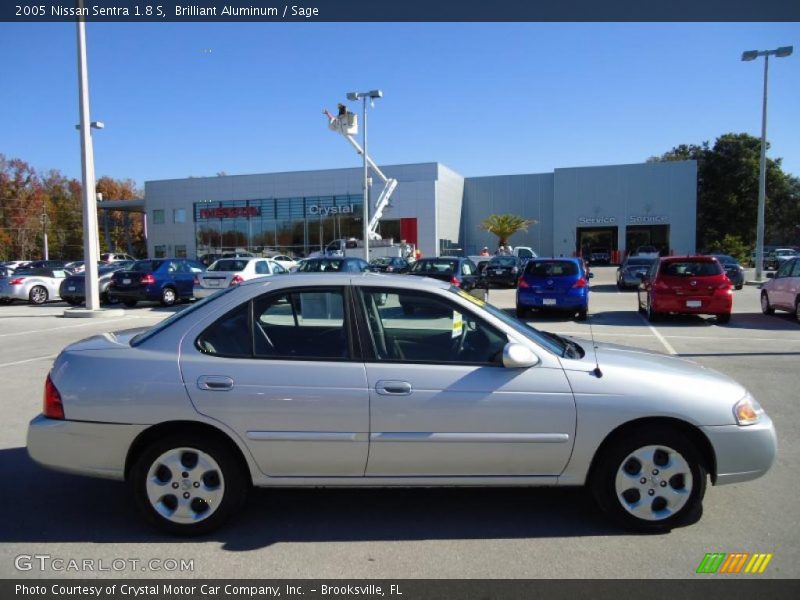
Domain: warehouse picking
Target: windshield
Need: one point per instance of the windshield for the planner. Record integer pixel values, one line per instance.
(725, 259)
(162, 325)
(640, 262)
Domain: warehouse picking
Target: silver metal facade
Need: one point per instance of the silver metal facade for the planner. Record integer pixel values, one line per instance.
(449, 207)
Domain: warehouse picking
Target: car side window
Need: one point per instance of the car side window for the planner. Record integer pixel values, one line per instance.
(262, 268)
(305, 324)
(796, 268)
(277, 268)
(785, 269)
(410, 326)
(228, 336)
(466, 268)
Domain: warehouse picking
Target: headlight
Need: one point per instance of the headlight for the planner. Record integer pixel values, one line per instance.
(747, 411)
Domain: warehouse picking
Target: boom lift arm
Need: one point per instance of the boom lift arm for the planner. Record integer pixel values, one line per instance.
(346, 124)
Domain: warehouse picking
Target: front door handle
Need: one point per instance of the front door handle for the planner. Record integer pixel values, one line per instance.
(215, 383)
(393, 388)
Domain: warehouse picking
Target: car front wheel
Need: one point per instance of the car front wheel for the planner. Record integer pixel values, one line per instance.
(187, 485)
(651, 481)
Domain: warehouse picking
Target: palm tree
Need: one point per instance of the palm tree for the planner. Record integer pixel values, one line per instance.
(504, 226)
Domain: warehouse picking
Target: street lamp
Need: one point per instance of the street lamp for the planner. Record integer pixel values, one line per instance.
(781, 52)
(354, 96)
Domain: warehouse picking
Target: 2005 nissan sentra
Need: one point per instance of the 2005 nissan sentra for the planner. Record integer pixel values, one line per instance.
(325, 380)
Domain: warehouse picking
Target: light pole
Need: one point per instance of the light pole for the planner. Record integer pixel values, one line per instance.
(781, 52)
(90, 237)
(353, 96)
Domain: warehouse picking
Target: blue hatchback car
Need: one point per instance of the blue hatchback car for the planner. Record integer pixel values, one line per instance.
(165, 280)
(554, 284)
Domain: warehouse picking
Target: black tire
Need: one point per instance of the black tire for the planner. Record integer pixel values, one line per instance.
(106, 299)
(740, 286)
(581, 314)
(5, 301)
(38, 295)
(615, 458)
(651, 314)
(130, 303)
(724, 318)
(766, 307)
(233, 476)
(797, 310)
(522, 312)
(169, 296)
(72, 301)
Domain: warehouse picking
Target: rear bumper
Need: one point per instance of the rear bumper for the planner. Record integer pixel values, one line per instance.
(743, 453)
(709, 305)
(201, 292)
(572, 300)
(504, 279)
(84, 448)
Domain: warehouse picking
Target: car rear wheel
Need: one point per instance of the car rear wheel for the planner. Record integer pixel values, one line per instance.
(38, 295)
(651, 314)
(797, 310)
(650, 481)
(168, 296)
(582, 314)
(522, 312)
(765, 306)
(187, 485)
(130, 303)
(72, 301)
(724, 318)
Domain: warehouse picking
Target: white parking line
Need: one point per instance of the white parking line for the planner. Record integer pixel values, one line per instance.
(660, 337)
(27, 360)
(84, 324)
(684, 337)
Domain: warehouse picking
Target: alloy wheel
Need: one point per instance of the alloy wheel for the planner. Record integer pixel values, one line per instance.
(38, 295)
(653, 483)
(185, 485)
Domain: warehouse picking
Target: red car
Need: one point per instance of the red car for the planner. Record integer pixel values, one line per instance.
(686, 285)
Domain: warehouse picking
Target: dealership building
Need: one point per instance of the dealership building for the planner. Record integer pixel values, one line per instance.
(616, 207)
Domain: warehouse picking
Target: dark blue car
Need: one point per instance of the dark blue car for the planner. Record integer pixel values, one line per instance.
(165, 280)
(560, 284)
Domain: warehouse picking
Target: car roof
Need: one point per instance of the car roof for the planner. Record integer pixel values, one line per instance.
(300, 279)
(695, 258)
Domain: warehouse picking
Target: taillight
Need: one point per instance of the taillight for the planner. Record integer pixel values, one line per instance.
(724, 289)
(581, 283)
(195, 280)
(454, 281)
(52, 407)
(16, 281)
(389, 269)
(522, 283)
(236, 280)
(147, 279)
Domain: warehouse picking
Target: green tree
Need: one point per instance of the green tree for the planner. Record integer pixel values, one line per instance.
(504, 226)
(727, 192)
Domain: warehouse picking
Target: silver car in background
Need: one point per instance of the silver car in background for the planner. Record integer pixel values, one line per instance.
(226, 272)
(629, 273)
(35, 286)
(309, 381)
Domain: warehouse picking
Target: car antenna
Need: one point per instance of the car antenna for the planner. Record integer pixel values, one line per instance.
(597, 372)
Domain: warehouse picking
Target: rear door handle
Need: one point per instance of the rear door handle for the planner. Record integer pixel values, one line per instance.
(215, 383)
(393, 388)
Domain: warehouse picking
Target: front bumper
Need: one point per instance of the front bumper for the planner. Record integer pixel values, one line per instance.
(743, 453)
(83, 448)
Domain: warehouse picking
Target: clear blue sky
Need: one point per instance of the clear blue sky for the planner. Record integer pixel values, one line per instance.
(194, 99)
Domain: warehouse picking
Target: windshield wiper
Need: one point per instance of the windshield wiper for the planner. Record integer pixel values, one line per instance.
(571, 349)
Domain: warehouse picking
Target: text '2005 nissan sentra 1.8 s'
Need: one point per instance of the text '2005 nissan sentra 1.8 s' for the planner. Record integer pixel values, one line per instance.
(329, 380)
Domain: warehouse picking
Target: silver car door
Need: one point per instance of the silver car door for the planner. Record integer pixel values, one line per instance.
(442, 404)
(286, 379)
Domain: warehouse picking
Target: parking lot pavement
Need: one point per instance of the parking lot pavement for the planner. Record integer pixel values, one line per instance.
(456, 533)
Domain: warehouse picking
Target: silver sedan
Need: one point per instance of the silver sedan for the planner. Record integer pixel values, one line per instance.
(311, 381)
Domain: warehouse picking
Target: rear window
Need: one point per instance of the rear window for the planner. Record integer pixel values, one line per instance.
(504, 261)
(229, 265)
(552, 268)
(146, 266)
(434, 266)
(640, 262)
(691, 268)
(315, 266)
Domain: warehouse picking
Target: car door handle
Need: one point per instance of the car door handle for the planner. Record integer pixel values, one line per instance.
(215, 383)
(393, 388)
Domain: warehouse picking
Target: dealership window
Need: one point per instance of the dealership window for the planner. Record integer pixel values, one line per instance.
(158, 217)
(160, 251)
(180, 251)
(179, 215)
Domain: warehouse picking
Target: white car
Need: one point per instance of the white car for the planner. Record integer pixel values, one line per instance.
(287, 262)
(35, 286)
(227, 272)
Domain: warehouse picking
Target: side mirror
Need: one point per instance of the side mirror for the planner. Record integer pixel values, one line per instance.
(517, 356)
(770, 275)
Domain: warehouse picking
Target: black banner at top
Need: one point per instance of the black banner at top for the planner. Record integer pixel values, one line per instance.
(310, 11)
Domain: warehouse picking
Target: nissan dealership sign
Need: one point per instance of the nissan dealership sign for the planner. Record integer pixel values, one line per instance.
(230, 213)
